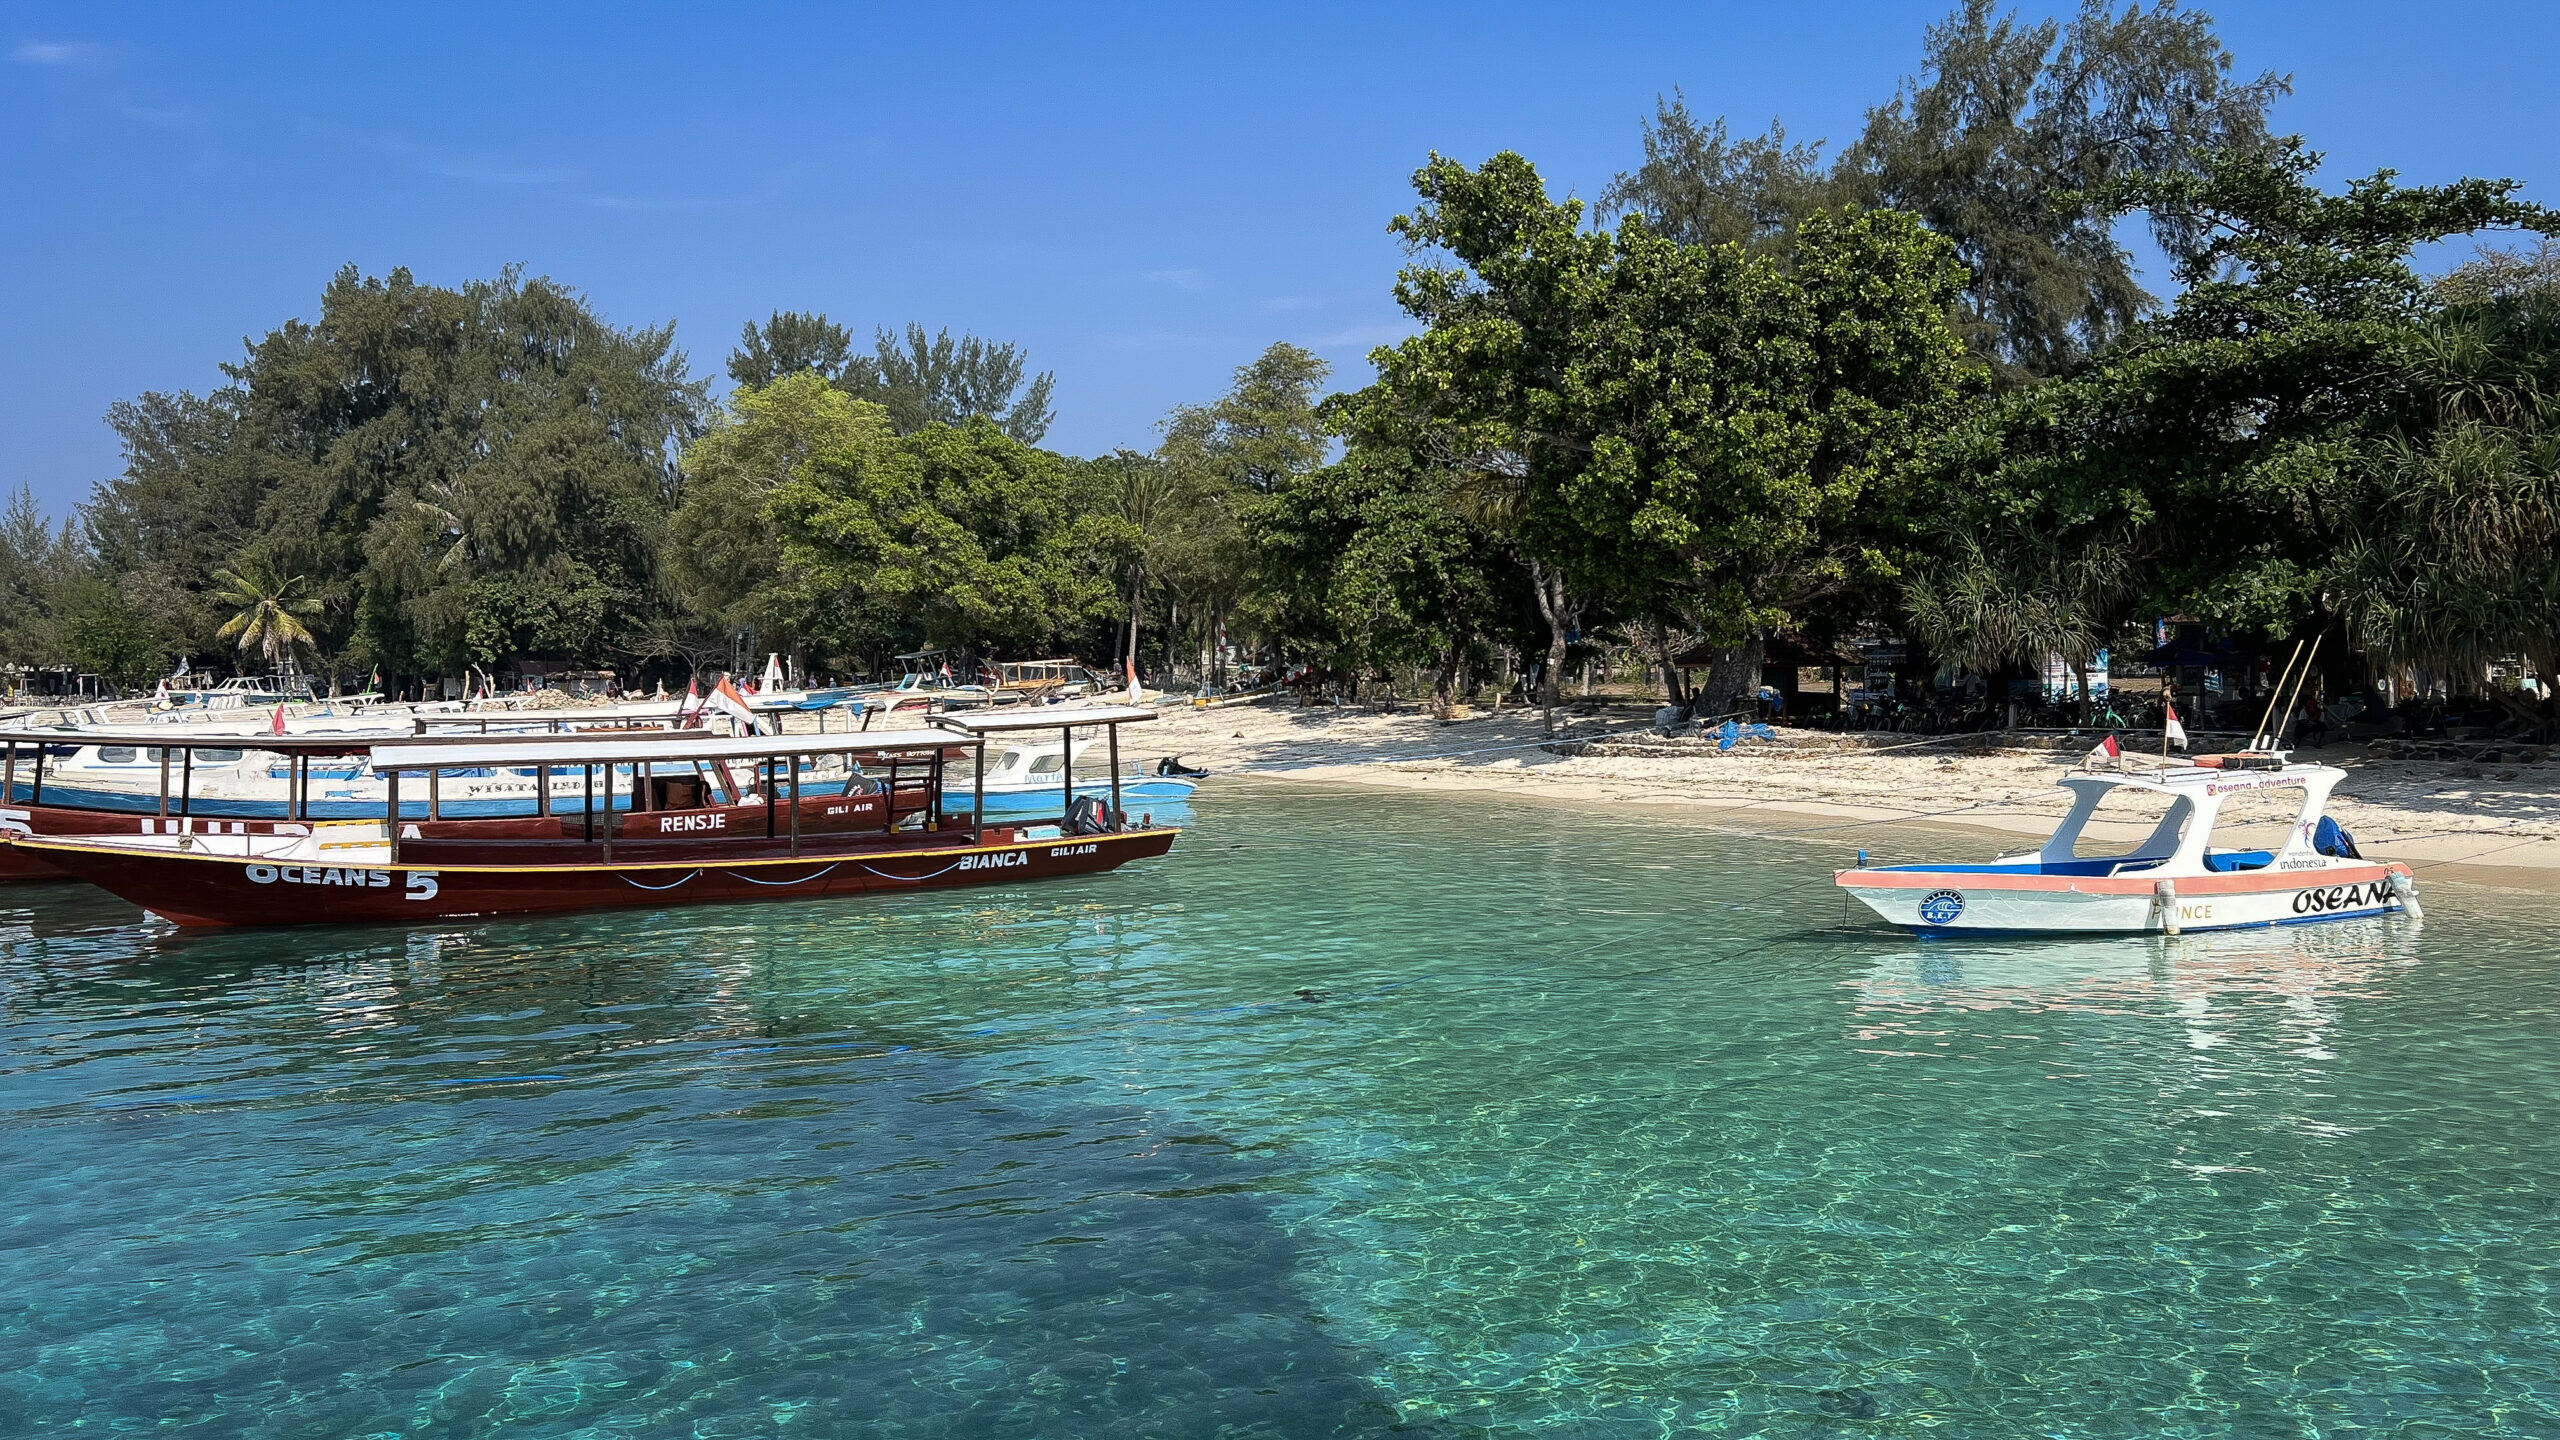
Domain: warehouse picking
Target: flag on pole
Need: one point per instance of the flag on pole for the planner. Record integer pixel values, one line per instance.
(690, 711)
(279, 720)
(2170, 730)
(2107, 749)
(725, 698)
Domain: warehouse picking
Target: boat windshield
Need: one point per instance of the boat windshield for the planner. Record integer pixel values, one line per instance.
(2126, 817)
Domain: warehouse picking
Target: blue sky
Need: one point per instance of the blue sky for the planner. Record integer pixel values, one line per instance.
(1143, 197)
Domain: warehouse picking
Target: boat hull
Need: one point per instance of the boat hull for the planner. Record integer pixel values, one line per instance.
(206, 891)
(1949, 902)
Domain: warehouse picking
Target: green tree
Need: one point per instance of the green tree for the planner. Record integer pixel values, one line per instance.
(1267, 430)
(2006, 143)
(2309, 432)
(960, 536)
(101, 630)
(936, 380)
(790, 343)
(1702, 436)
(723, 560)
(37, 560)
(270, 613)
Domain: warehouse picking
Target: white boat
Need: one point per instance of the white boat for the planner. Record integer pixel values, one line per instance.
(2174, 881)
(1027, 776)
(238, 692)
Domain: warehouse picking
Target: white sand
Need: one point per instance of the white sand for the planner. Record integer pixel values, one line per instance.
(2432, 815)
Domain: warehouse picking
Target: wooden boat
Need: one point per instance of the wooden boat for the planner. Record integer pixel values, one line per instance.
(679, 841)
(147, 783)
(2174, 881)
(1032, 681)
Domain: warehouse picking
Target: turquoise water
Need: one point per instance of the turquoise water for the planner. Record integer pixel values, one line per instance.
(1362, 1114)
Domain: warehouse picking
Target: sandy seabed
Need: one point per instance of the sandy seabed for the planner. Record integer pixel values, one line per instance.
(2460, 821)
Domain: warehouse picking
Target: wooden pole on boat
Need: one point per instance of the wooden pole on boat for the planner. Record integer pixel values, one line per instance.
(186, 779)
(1067, 768)
(2261, 735)
(2285, 721)
(1116, 814)
(435, 794)
(587, 801)
(36, 795)
(795, 804)
(164, 782)
(978, 796)
(391, 810)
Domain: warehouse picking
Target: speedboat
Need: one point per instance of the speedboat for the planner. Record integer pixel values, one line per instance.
(2174, 881)
(1028, 775)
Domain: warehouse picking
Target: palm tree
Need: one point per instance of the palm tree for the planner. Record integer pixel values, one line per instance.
(270, 611)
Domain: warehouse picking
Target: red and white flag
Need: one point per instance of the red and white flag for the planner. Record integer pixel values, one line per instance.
(690, 711)
(2107, 749)
(2171, 731)
(725, 698)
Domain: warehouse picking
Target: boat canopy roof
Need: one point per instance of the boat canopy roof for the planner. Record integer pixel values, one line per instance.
(339, 742)
(2190, 779)
(662, 710)
(599, 750)
(1059, 718)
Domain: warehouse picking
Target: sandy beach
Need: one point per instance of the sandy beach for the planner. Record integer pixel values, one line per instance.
(2495, 824)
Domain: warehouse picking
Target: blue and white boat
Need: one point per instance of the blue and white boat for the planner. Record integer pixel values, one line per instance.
(1029, 776)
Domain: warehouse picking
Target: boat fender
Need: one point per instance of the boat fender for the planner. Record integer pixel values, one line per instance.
(2164, 898)
(2405, 886)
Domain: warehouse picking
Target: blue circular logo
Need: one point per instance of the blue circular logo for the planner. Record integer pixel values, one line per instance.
(1941, 907)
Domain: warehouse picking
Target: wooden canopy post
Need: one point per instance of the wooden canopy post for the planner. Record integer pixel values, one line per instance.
(435, 794)
(1114, 732)
(587, 801)
(764, 780)
(186, 779)
(978, 797)
(36, 795)
(391, 809)
(933, 792)
(1067, 769)
(164, 782)
(9, 780)
(795, 804)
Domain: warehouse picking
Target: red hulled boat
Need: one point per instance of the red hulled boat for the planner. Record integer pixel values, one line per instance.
(692, 831)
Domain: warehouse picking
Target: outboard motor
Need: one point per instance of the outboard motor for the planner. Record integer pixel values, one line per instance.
(2332, 839)
(1088, 816)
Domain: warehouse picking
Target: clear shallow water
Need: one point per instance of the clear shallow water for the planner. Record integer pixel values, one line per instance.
(1362, 1114)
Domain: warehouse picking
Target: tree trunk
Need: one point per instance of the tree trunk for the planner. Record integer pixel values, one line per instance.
(1137, 598)
(1554, 607)
(1673, 689)
(1733, 679)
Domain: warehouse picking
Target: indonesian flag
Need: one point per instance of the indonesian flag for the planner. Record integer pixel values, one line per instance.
(279, 720)
(2170, 729)
(691, 710)
(2107, 749)
(725, 698)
